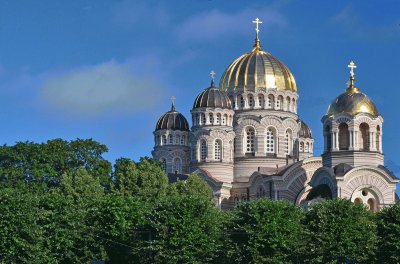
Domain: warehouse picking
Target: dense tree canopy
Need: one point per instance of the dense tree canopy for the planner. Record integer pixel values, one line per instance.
(266, 231)
(340, 231)
(60, 202)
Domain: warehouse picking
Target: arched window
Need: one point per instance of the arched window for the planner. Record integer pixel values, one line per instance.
(197, 118)
(293, 105)
(344, 137)
(288, 142)
(177, 165)
(183, 139)
(328, 138)
(218, 119)
(372, 204)
(251, 101)
(170, 140)
(241, 102)
(158, 140)
(378, 138)
(279, 103)
(270, 141)
(164, 139)
(203, 119)
(287, 103)
(307, 147)
(224, 118)
(164, 164)
(177, 140)
(358, 201)
(271, 101)
(217, 150)
(261, 100)
(211, 119)
(250, 140)
(301, 147)
(364, 136)
(203, 150)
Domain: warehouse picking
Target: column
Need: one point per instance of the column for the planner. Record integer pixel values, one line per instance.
(351, 147)
(372, 141)
(356, 147)
(236, 102)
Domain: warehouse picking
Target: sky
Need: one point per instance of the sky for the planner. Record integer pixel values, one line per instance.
(107, 69)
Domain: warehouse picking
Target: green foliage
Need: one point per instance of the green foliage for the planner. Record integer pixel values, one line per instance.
(340, 231)
(145, 179)
(389, 235)
(185, 229)
(118, 221)
(265, 231)
(45, 163)
(20, 234)
(194, 185)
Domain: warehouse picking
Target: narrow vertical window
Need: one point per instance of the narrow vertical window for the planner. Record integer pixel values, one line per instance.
(241, 102)
(170, 140)
(164, 164)
(177, 165)
(203, 150)
(183, 140)
(270, 141)
(164, 140)
(211, 119)
(271, 101)
(177, 140)
(301, 147)
(250, 140)
(218, 119)
(217, 150)
(251, 101)
(288, 142)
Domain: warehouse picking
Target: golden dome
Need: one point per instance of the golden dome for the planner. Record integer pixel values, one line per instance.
(352, 102)
(257, 69)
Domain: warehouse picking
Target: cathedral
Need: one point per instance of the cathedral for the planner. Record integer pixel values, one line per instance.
(247, 140)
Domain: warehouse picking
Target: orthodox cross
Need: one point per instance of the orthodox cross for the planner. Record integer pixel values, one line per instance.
(257, 22)
(212, 74)
(352, 66)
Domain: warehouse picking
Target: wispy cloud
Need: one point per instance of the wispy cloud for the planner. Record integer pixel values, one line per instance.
(99, 89)
(357, 27)
(215, 24)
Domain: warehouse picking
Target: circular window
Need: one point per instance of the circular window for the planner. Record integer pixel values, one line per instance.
(364, 192)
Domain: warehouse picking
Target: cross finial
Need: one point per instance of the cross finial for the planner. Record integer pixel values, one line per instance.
(352, 66)
(212, 74)
(257, 22)
(257, 45)
(173, 103)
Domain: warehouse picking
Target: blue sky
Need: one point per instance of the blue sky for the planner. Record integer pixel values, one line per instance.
(106, 69)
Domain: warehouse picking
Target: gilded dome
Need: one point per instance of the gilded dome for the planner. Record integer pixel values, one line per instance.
(172, 120)
(257, 69)
(352, 102)
(212, 97)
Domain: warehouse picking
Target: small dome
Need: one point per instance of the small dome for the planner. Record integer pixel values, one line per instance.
(352, 102)
(257, 69)
(212, 97)
(172, 120)
(305, 131)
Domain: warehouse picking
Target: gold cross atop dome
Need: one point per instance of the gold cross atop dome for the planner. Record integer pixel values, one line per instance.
(212, 74)
(352, 66)
(257, 45)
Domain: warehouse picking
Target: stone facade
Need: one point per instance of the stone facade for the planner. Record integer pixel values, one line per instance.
(247, 141)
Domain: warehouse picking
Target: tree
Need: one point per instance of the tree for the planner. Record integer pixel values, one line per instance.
(340, 231)
(118, 222)
(265, 231)
(145, 179)
(193, 185)
(45, 163)
(184, 229)
(388, 221)
(20, 234)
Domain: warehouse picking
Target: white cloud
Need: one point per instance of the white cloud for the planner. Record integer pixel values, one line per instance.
(105, 88)
(214, 24)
